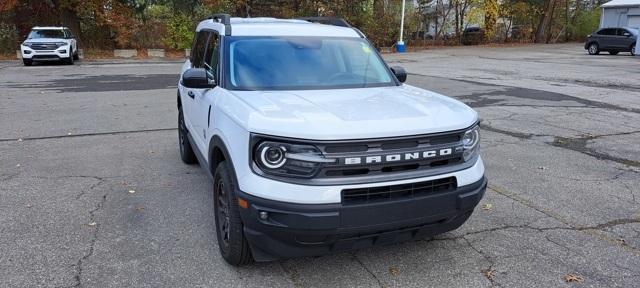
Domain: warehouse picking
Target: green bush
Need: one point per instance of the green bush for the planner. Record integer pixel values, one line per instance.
(179, 31)
(585, 23)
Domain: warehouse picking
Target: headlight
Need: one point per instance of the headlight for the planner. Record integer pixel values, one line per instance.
(60, 44)
(287, 159)
(471, 142)
(28, 44)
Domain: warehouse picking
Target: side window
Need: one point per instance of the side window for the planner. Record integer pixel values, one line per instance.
(211, 56)
(621, 32)
(608, 31)
(197, 52)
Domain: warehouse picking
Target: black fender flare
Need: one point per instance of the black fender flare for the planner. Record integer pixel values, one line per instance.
(217, 144)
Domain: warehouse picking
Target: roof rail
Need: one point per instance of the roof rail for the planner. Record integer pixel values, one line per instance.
(335, 21)
(224, 19)
(328, 21)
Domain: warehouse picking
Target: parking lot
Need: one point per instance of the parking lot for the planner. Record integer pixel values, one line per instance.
(93, 192)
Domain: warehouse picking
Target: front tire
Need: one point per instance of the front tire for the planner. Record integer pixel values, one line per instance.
(69, 60)
(76, 56)
(27, 62)
(186, 151)
(633, 50)
(232, 243)
(593, 49)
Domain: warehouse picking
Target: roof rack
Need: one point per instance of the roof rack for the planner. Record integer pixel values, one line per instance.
(328, 21)
(224, 19)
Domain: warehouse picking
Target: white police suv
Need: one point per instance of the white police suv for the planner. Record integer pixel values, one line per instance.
(315, 145)
(49, 44)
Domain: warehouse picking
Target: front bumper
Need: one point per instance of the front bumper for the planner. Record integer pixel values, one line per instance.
(45, 55)
(295, 230)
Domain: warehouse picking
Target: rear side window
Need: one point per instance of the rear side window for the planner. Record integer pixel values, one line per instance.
(197, 53)
(621, 32)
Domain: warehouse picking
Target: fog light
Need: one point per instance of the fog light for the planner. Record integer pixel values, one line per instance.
(63, 51)
(264, 215)
(26, 52)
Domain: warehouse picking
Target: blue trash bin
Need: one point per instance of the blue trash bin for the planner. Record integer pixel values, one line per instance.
(400, 48)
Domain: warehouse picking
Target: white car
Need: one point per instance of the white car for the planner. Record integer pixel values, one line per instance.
(316, 146)
(49, 44)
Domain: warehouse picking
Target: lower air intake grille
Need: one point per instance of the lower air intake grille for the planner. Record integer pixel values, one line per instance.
(396, 192)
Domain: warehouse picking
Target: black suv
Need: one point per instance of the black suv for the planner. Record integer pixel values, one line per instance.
(612, 40)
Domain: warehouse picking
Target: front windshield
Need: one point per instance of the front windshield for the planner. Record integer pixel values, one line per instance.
(35, 34)
(297, 63)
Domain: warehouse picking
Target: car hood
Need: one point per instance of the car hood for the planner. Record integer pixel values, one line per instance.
(354, 113)
(45, 40)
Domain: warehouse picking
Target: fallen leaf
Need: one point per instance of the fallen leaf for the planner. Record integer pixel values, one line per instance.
(19, 139)
(69, 133)
(487, 206)
(621, 241)
(17, 165)
(140, 209)
(92, 224)
(394, 271)
(489, 273)
(132, 191)
(572, 278)
(542, 168)
(151, 152)
(28, 205)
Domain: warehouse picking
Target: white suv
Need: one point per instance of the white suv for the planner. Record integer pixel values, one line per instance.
(49, 44)
(315, 145)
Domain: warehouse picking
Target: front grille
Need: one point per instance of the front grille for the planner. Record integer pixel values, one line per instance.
(44, 46)
(397, 192)
(398, 146)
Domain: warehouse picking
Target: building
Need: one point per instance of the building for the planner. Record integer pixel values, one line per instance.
(620, 13)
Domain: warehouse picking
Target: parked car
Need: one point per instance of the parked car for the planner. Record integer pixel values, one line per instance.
(612, 40)
(49, 44)
(472, 36)
(316, 146)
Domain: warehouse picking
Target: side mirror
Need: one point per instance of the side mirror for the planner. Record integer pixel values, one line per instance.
(626, 34)
(197, 78)
(400, 73)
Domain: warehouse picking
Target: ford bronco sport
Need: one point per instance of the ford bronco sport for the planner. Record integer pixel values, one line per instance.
(315, 145)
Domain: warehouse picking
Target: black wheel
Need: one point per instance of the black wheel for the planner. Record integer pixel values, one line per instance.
(27, 62)
(593, 49)
(229, 230)
(69, 60)
(633, 49)
(75, 56)
(186, 151)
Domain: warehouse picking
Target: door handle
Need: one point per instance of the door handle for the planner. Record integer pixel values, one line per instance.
(191, 94)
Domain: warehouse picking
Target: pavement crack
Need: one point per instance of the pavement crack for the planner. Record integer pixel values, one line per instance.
(355, 257)
(87, 134)
(580, 145)
(488, 273)
(96, 227)
(292, 275)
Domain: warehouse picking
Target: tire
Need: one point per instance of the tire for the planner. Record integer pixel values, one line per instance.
(27, 62)
(614, 52)
(593, 49)
(232, 243)
(186, 151)
(69, 60)
(633, 50)
(76, 56)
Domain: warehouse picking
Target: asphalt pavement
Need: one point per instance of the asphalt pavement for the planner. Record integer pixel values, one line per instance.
(93, 192)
